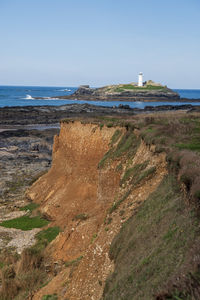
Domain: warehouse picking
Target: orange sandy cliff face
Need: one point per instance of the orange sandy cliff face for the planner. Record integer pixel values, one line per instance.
(76, 187)
(72, 187)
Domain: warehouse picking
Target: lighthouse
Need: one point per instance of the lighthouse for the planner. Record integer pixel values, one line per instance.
(140, 79)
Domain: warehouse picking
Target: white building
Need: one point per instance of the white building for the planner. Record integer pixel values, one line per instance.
(140, 79)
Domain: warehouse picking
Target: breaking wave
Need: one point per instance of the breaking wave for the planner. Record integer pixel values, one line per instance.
(29, 97)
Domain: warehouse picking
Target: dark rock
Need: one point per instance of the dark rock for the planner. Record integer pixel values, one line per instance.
(126, 106)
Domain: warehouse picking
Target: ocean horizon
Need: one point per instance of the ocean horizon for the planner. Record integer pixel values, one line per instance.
(24, 96)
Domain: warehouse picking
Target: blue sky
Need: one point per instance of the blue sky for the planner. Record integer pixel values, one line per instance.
(98, 42)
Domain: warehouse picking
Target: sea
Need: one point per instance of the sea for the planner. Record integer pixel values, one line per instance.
(24, 96)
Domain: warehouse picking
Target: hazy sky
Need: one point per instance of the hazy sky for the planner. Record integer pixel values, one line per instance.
(98, 42)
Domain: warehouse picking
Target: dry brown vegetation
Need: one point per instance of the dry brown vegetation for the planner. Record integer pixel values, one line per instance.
(179, 136)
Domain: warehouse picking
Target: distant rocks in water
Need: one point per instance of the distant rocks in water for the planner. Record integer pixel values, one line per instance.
(126, 106)
(169, 107)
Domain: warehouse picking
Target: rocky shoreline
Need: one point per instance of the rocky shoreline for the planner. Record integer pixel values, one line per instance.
(29, 115)
(24, 156)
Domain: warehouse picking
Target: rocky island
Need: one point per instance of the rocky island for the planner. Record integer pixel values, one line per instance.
(149, 91)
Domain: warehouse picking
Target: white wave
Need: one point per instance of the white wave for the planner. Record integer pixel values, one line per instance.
(64, 90)
(29, 97)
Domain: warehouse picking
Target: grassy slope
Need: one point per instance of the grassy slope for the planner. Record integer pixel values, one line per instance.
(152, 246)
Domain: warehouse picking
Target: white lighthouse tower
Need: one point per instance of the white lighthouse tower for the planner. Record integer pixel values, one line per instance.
(140, 79)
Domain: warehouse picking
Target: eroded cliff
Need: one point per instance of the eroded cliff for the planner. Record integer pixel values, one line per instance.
(99, 177)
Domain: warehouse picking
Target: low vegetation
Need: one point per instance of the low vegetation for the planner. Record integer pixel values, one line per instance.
(73, 262)
(134, 173)
(25, 223)
(50, 297)
(116, 136)
(178, 136)
(128, 145)
(29, 207)
(153, 246)
(153, 253)
(137, 89)
(117, 203)
(30, 274)
(44, 237)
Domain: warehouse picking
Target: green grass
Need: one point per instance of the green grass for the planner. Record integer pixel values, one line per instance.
(144, 174)
(193, 146)
(44, 237)
(109, 125)
(134, 171)
(136, 88)
(25, 223)
(2, 264)
(116, 136)
(29, 207)
(127, 144)
(48, 234)
(101, 126)
(106, 157)
(50, 297)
